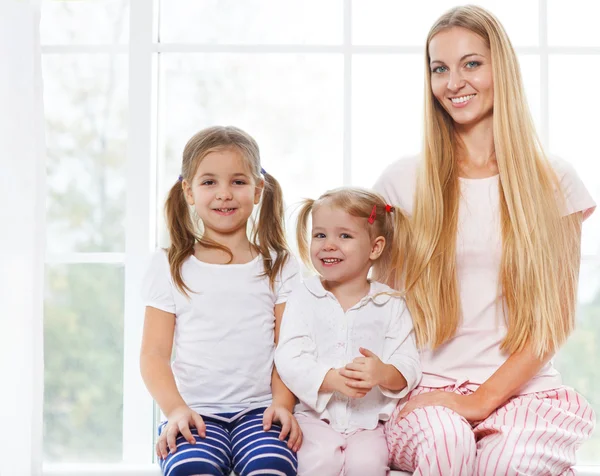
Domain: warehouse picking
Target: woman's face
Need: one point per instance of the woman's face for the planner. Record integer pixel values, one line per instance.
(461, 75)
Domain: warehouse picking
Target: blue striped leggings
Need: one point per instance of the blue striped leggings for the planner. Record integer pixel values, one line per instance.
(241, 446)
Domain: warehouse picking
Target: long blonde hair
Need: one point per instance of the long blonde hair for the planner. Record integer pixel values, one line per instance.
(390, 222)
(268, 232)
(540, 251)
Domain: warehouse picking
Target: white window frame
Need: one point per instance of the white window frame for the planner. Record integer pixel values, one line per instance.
(139, 426)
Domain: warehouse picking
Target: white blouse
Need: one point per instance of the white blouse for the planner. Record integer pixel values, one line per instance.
(317, 335)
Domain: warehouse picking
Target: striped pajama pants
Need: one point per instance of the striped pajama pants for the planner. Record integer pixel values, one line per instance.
(532, 434)
(241, 446)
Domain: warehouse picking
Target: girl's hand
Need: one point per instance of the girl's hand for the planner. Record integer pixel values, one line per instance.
(471, 407)
(289, 425)
(364, 372)
(179, 421)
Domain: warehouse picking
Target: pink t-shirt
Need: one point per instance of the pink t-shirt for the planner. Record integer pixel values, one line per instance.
(474, 354)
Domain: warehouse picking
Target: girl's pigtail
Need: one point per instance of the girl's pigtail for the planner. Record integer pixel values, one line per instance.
(269, 234)
(181, 231)
(302, 231)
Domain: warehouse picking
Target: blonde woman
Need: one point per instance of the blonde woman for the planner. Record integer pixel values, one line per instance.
(492, 273)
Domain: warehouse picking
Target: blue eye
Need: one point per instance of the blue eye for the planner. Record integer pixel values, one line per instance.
(439, 70)
(319, 235)
(472, 64)
(345, 236)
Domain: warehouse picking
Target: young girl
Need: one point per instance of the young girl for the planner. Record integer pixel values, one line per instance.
(219, 297)
(347, 348)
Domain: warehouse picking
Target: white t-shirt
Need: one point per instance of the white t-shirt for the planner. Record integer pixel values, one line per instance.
(317, 335)
(224, 333)
(474, 354)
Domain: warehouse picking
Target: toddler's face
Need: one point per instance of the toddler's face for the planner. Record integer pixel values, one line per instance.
(340, 248)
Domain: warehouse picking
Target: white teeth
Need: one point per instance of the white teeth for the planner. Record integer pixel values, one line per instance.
(462, 99)
(224, 210)
(331, 260)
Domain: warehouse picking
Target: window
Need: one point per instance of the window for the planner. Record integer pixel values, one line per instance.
(331, 90)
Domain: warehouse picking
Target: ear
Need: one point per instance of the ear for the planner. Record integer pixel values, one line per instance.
(187, 192)
(258, 190)
(377, 247)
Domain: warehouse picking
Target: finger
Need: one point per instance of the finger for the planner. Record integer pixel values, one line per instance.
(157, 449)
(172, 439)
(294, 434)
(353, 374)
(299, 440)
(357, 367)
(366, 352)
(200, 425)
(358, 394)
(184, 429)
(162, 444)
(359, 384)
(286, 426)
(268, 418)
(359, 360)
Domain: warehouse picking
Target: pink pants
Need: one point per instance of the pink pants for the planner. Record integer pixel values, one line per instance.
(532, 434)
(326, 452)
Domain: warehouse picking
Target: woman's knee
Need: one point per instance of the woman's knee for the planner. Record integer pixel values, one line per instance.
(445, 431)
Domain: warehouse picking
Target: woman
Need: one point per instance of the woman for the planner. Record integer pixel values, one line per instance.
(492, 273)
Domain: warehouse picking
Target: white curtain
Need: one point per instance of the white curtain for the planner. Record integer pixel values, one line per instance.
(22, 238)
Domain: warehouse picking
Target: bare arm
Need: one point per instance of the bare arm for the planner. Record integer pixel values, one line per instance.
(281, 394)
(155, 359)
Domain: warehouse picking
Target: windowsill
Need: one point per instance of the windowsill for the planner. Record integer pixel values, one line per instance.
(153, 470)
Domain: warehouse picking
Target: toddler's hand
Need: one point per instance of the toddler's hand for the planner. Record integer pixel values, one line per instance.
(179, 421)
(364, 373)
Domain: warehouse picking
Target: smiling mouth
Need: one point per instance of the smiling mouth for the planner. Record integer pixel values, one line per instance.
(462, 99)
(330, 261)
(224, 211)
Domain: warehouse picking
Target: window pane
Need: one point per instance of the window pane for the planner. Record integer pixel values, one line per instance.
(573, 23)
(251, 21)
(574, 127)
(390, 22)
(85, 99)
(291, 104)
(387, 109)
(83, 359)
(84, 22)
(577, 361)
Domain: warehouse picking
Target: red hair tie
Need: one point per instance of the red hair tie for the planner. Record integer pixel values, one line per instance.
(389, 208)
(373, 214)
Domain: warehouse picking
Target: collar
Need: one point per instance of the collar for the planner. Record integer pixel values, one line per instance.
(379, 292)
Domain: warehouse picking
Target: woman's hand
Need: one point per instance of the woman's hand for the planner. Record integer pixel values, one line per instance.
(289, 425)
(471, 407)
(179, 421)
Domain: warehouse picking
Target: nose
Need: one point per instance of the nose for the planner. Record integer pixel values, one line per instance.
(329, 245)
(224, 193)
(455, 81)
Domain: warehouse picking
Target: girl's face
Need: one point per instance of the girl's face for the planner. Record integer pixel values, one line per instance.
(341, 249)
(461, 75)
(223, 192)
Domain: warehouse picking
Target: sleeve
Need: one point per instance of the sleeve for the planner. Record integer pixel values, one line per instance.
(296, 354)
(400, 349)
(157, 290)
(289, 278)
(576, 196)
(397, 183)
